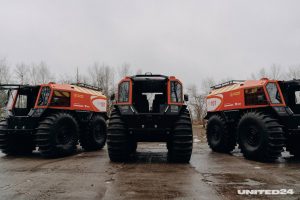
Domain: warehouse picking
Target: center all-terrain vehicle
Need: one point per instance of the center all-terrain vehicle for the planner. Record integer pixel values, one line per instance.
(53, 117)
(262, 116)
(150, 108)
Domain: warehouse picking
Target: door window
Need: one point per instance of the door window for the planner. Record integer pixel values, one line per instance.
(255, 96)
(124, 92)
(273, 93)
(21, 101)
(297, 97)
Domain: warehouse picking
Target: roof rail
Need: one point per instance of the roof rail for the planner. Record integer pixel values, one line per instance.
(149, 74)
(84, 85)
(226, 84)
(14, 86)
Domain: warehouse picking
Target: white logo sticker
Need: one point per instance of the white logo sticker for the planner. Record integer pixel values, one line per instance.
(213, 103)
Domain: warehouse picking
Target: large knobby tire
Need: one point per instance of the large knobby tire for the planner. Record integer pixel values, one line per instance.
(15, 144)
(57, 135)
(260, 137)
(180, 146)
(118, 142)
(219, 136)
(93, 137)
(292, 145)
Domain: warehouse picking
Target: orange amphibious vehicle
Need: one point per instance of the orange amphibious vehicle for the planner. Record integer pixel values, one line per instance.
(53, 117)
(261, 116)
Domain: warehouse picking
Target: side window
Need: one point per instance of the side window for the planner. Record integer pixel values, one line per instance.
(12, 94)
(255, 96)
(297, 97)
(273, 93)
(124, 92)
(21, 101)
(44, 96)
(60, 98)
(3, 97)
(176, 92)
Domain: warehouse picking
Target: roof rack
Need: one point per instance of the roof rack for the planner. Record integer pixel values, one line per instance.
(226, 84)
(14, 86)
(84, 85)
(149, 74)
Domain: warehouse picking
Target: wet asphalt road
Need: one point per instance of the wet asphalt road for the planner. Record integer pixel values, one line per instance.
(90, 175)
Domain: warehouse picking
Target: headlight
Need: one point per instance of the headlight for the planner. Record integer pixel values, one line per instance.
(36, 112)
(174, 109)
(126, 109)
(280, 110)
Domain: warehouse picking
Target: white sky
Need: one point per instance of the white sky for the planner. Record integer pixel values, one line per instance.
(189, 39)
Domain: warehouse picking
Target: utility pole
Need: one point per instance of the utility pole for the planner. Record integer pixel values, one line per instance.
(77, 76)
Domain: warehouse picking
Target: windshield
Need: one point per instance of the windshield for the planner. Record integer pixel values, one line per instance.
(273, 93)
(124, 92)
(44, 96)
(176, 92)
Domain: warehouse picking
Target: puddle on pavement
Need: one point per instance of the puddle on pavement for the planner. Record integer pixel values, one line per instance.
(230, 179)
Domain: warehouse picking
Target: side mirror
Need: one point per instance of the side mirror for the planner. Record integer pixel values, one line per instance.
(186, 97)
(112, 97)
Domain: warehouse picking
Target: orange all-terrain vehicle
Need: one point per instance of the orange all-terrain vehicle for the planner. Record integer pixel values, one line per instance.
(261, 116)
(53, 117)
(150, 108)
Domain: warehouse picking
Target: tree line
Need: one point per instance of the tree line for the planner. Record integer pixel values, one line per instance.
(105, 76)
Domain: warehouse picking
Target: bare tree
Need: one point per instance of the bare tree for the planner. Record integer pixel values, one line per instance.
(44, 73)
(5, 75)
(206, 84)
(260, 74)
(21, 73)
(275, 72)
(33, 73)
(124, 70)
(66, 79)
(39, 74)
(197, 104)
(293, 72)
(102, 76)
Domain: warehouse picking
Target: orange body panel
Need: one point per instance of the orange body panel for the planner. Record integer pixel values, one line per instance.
(81, 98)
(232, 97)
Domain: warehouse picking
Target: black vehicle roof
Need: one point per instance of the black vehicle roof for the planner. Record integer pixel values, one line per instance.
(16, 86)
(150, 77)
(294, 82)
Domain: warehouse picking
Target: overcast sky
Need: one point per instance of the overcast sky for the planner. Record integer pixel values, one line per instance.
(190, 39)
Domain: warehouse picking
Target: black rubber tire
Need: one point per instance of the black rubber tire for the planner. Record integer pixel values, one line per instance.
(260, 137)
(219, 136)
(181, 142)
(57, 135)
(93, 137)
(133, 146)
(118, 142)
(292, 145)
(15, 144)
